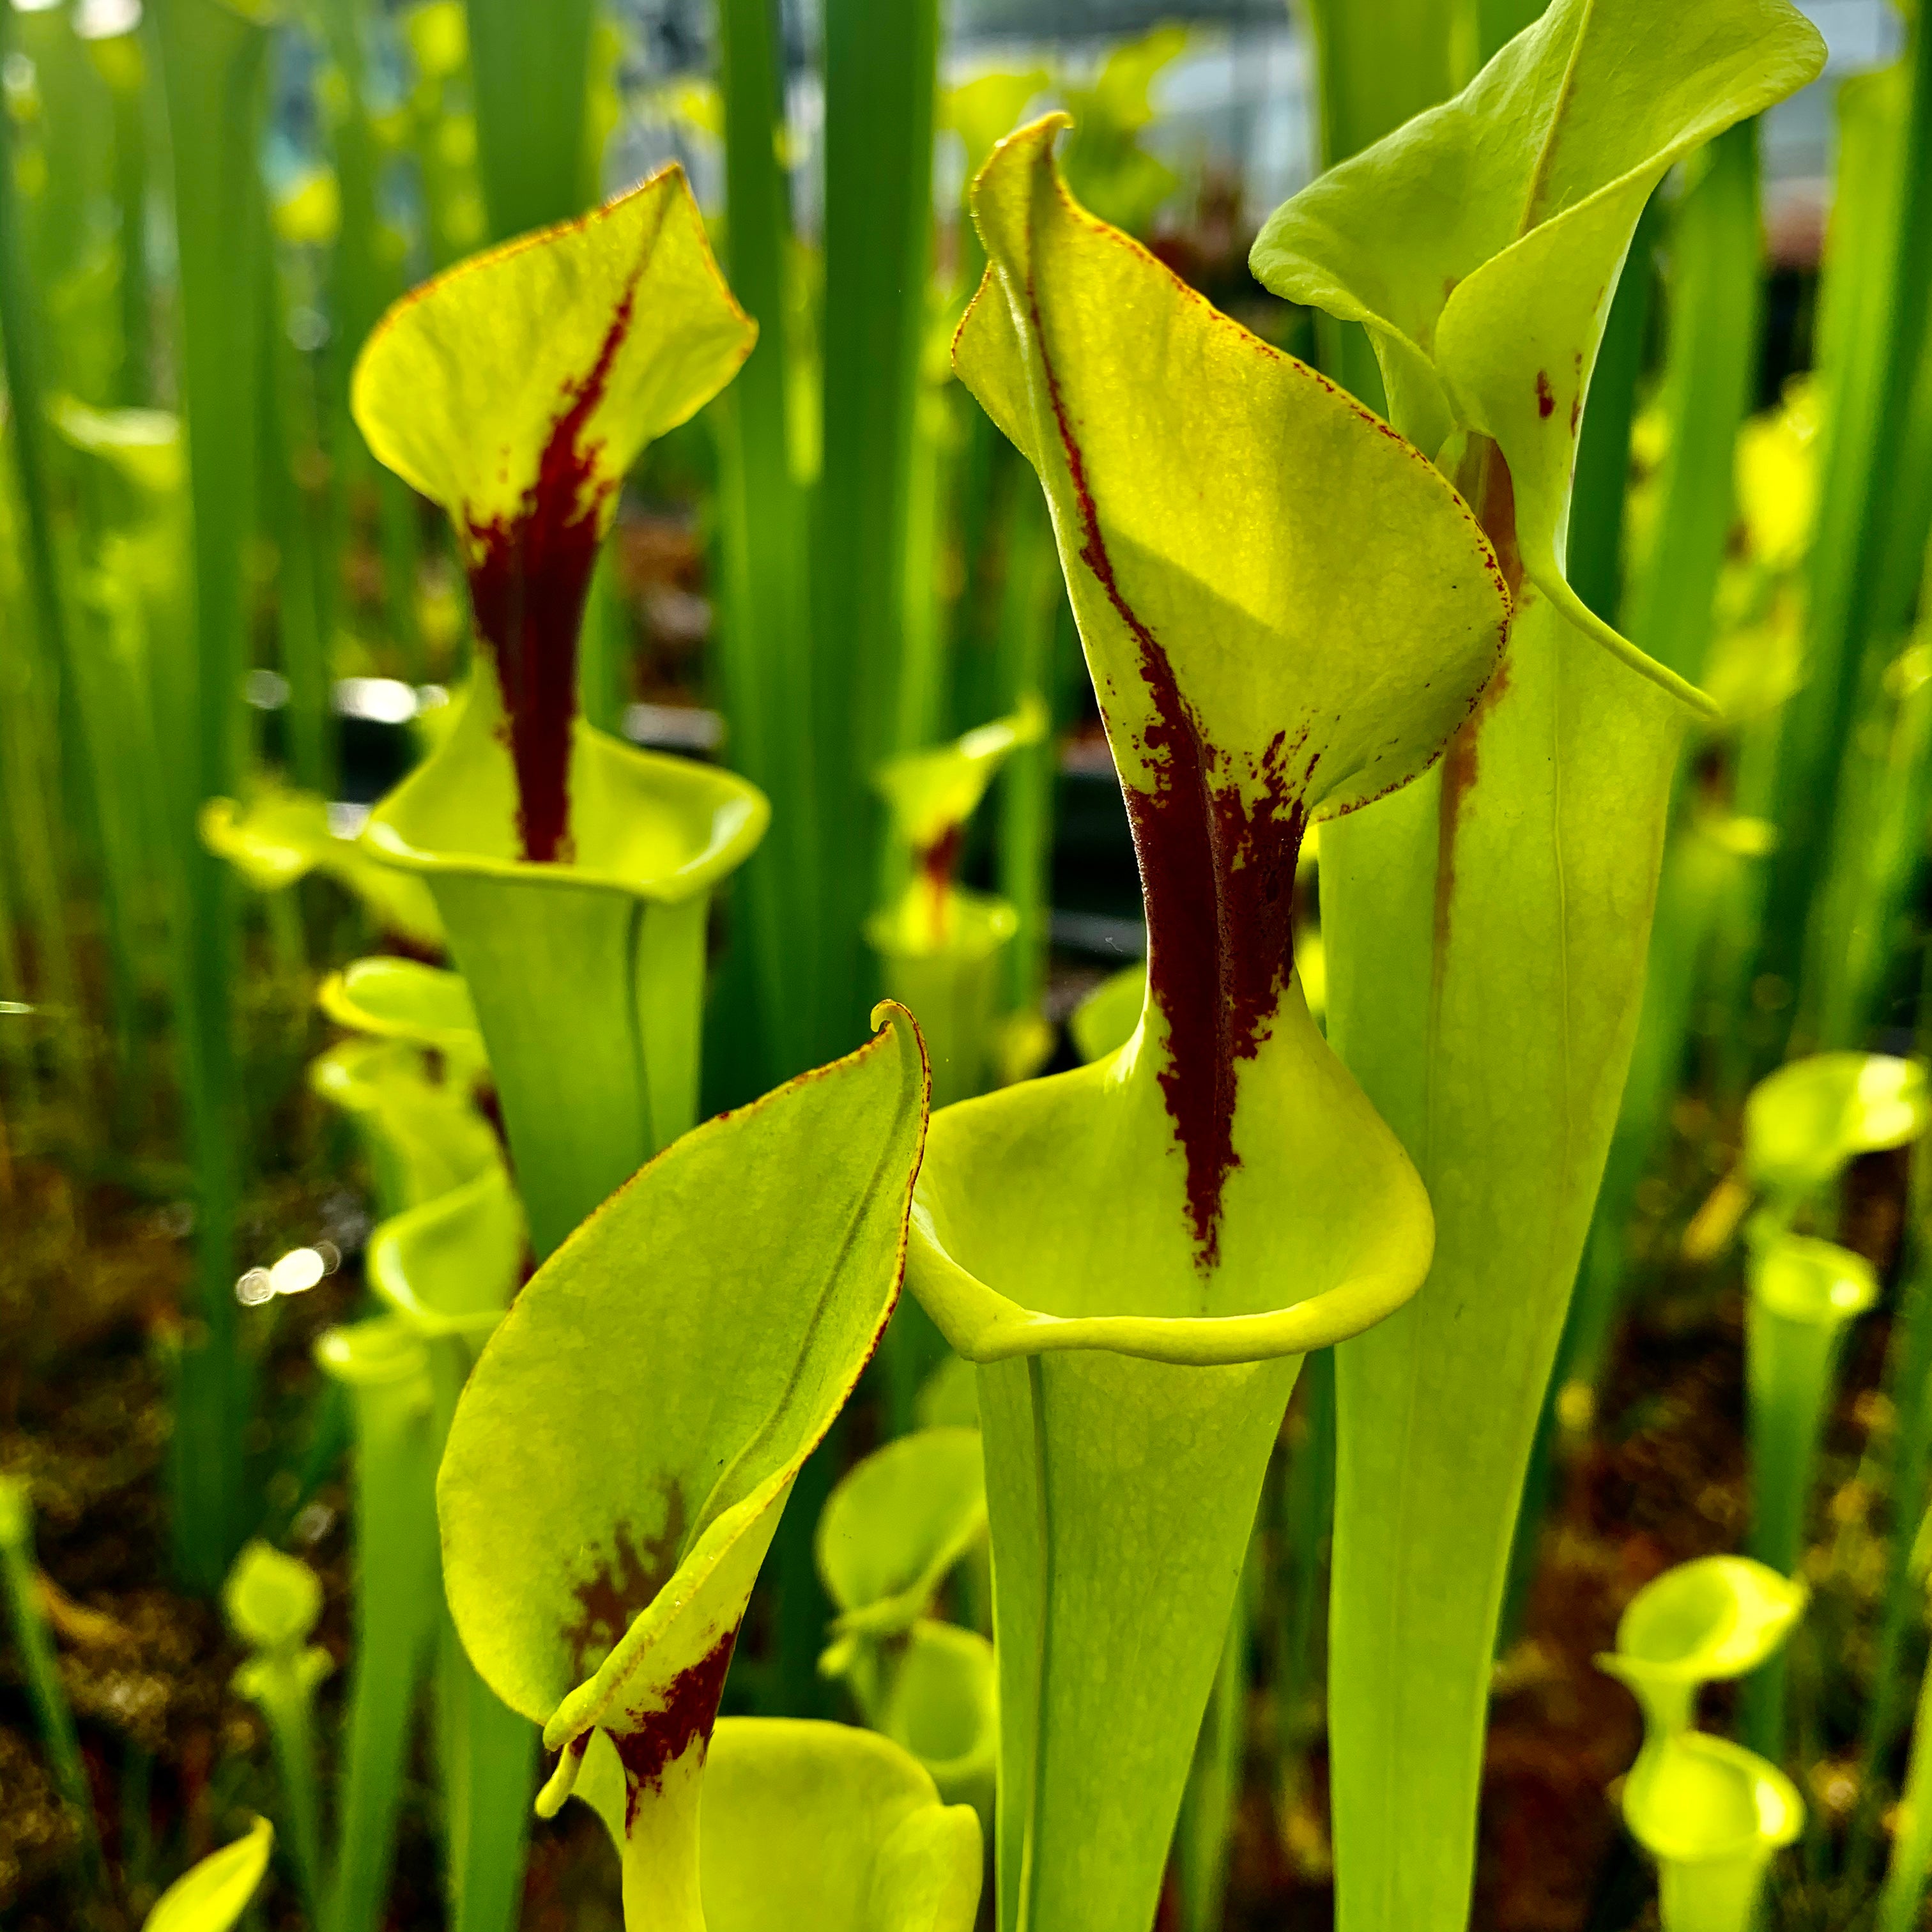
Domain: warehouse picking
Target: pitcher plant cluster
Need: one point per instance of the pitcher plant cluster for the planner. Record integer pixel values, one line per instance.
(1369, 611)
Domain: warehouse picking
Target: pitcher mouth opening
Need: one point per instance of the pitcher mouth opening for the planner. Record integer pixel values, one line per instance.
(646, 823)
(984, 1324)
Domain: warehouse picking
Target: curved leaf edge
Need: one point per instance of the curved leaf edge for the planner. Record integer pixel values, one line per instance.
(486, 259)
(1393, 343)
(729, 846)
(1042, 135)
(983, 1325)
(581, 1710)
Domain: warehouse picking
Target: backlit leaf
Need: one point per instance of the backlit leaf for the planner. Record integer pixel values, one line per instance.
(623, 1449)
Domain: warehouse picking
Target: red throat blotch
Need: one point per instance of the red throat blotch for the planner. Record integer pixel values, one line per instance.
(689, 1714)
(530, 573)
(1217, 874)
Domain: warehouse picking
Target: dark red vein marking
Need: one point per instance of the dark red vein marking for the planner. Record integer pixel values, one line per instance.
(1486, 477)
(660, 1737)
(938, 862)
(626, 1584)
(1495, 506)
(1461, 765)
(1217, 875)
(530, 573)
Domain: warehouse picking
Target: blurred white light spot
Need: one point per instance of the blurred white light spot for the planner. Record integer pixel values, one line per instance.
(102, 20)
(674, 727)
(678, 617)
(308, 328)
(331, 1256)
(345, 817)
(255, 1287)
(382, 700)
(297, 1272)
(266, 690)
(312, 1524)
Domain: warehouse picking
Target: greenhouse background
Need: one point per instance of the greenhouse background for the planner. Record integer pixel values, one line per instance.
(965, 966)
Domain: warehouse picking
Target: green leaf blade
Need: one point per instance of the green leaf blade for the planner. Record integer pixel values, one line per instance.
(621, 1453)
(1480, 243)
(211, 1896)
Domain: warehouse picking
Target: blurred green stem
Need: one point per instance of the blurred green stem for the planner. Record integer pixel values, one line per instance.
(489, 1775)
(1710, 380)
(1596, 556)
(1379, 63)
(1498, 22)
(881, 59)
(1791, 1365)
(1909, 1382)
(123, 64)
(1904, 1891)
(213, 68)
(16, 1051)
(288, 446)
(1308, 1512)
(285, 1690)
(1878, 312)
(488, 1752)
(530, 67)
(29, 791)
(923, 670)
(21, 343)
(1878, 851)
(362, 283)
(765, 657)
(397, 1586)
(41, 1672)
